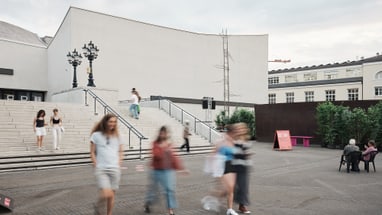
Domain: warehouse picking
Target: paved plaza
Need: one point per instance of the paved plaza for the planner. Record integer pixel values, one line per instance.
(300, 182)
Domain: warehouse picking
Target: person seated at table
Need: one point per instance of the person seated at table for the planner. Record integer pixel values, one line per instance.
(370, 147)
(351, 147)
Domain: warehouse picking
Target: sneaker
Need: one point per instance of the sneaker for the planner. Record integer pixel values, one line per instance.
(244, 210)
(231, 212)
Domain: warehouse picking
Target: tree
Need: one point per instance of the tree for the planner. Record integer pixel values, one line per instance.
(342, 125)
(325, 114)
(359, 124)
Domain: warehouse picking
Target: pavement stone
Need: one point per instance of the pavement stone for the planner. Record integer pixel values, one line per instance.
(304, 181)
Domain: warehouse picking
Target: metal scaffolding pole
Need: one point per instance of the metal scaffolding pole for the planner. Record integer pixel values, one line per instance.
(226, 71)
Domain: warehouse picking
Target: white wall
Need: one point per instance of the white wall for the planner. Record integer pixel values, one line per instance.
(60, 75)
(370, 81)
(158, 60)
(29, 64)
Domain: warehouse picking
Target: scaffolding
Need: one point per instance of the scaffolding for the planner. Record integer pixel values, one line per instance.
(224, 36)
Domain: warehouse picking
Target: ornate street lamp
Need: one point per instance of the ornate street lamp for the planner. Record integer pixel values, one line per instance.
(75, 59)
(91, 52)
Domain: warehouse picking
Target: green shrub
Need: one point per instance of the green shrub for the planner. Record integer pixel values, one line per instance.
(239, 115)
(337, 124)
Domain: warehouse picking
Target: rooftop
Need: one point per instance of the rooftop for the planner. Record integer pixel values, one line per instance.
(376, 58)
(18, 34)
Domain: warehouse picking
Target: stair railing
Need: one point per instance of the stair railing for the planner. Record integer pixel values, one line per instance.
(108, 109)
(196, 125)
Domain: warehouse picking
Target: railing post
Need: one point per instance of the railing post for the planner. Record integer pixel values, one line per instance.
(140, 148)
(95, 106)
(195, 125)
(181, 116)
(104, 110)
(86, 98)
(159, 103)
(210, 135)
(129, 138)
(169, 108)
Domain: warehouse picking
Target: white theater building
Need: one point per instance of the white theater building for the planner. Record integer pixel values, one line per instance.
(351, 80)
(154, 59)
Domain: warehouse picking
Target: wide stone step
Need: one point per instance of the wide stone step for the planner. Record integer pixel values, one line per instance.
(42, 161)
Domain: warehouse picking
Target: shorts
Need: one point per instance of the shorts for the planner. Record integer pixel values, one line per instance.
(40, 131)
(229, 168)
(108, 178)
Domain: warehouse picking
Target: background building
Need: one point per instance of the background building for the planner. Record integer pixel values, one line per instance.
(351, 80)
(156, 60)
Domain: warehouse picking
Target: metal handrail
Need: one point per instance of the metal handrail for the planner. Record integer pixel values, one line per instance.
(196, 120)
(109, 109)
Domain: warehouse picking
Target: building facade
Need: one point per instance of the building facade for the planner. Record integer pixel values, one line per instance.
(351, 80)
(154, 59)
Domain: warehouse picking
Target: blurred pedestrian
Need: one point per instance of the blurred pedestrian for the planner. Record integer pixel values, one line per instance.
(186, 134)
(106, 153)
(242, 163)
(134, 107)
(39, 128)
(56, 124)
(164, 163)
(228, 150)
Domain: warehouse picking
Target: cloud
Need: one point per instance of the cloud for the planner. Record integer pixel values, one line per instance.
(308, 32)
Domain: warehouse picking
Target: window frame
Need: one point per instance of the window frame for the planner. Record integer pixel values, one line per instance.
(353, 94)
(273, 80)
(272, 98)
(289, 97)
(330, 97)
(309, 96)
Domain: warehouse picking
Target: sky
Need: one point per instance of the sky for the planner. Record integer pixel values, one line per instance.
(307, 32)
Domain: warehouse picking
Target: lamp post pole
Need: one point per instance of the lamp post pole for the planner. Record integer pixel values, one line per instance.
(91, 53)
(75, 60)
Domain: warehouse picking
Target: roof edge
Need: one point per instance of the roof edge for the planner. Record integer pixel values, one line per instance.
(160, 26)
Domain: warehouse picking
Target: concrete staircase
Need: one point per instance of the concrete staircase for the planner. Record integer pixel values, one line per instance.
(150, 121)
(18, 142)
(16, 127)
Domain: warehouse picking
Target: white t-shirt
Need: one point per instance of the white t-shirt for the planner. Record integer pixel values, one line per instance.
(107, 150)
(134, 99)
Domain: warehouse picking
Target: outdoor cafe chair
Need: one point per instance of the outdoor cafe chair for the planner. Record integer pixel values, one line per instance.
(352, 159)
(371, 160)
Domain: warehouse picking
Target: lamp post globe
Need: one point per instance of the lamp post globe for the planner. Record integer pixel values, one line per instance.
(74, 59)
(90, 51)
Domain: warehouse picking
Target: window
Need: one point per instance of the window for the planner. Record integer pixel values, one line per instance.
(290, 97)
(378, 76)
(309, 96)
(272, 98)
(312, 76)
(353, 72)
(290, 78)
(330, 75)
(378, 91)
(273, 80)
(353, 94)
(24, 98)
(330, 95)
(9, 97)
